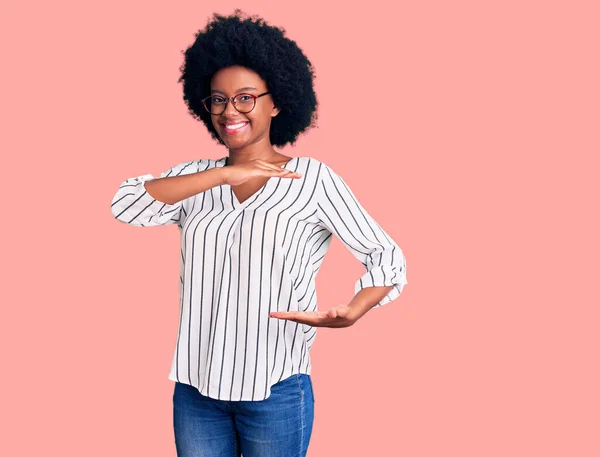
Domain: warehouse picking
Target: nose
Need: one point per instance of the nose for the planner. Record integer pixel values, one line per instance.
(230, 109)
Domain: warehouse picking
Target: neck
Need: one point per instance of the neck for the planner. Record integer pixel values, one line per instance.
(255, 151)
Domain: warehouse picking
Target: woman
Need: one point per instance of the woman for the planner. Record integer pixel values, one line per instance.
(255, 226)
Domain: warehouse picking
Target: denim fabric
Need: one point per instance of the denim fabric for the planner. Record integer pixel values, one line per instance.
(279, 426)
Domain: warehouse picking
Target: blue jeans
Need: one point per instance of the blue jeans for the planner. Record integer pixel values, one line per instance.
(279, 426)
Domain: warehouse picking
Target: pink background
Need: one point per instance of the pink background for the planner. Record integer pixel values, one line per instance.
(481, 162)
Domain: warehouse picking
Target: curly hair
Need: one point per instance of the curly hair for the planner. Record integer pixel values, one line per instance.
(251, 43)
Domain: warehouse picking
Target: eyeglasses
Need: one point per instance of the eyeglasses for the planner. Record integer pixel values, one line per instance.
(244, 103)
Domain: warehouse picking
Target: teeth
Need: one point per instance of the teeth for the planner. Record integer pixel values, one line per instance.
(235, 126)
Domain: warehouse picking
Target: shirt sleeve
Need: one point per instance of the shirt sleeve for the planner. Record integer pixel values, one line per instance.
(340, 212)
(133, 205)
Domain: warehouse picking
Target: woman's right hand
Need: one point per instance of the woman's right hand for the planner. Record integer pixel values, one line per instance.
(235, 175)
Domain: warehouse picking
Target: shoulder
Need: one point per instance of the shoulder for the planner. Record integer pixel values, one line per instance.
(316, 163)
(181, 168)
(325, 171)
(310, 160)
(204, 164)
(193, 166)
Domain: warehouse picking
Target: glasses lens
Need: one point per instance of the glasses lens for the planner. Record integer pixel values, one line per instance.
(215, 104)
(244, 103)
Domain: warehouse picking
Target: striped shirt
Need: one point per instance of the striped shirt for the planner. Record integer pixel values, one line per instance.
(241, 261)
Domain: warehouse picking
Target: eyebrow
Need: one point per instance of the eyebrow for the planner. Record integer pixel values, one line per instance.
(237, 91)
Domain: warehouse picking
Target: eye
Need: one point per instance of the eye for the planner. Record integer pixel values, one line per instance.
(245, 98)
(216, 99)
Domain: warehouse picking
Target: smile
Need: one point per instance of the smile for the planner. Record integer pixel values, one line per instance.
(234, 128)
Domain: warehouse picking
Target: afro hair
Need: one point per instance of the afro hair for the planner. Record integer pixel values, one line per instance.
(251, 43)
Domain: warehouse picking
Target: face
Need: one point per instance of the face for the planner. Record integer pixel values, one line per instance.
(256, 124)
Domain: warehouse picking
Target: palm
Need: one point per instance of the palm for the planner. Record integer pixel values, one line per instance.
(337, 317)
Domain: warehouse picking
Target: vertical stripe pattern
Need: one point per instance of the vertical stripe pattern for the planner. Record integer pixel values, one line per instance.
(242, 260)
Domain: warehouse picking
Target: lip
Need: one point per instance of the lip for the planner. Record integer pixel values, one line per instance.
(234, 131)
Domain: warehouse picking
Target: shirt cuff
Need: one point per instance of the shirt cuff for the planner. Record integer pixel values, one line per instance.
(385, 275)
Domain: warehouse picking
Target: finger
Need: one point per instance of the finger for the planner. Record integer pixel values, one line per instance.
(268, 164)
(284, 174)
(284, 314)
(343, 311)
(290, 173)
(276, 168)
(281, 172)
(266, 167)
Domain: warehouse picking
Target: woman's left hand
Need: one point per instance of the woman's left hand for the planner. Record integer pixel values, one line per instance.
(337, 317)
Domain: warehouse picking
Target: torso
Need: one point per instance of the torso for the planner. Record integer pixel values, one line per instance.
(246, 190)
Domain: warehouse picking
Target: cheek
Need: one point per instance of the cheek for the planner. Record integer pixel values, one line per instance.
(260, 119)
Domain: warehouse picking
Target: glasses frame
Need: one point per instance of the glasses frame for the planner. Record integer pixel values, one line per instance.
(233, 102)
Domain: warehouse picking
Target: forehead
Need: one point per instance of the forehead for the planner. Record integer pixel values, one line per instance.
(231, 79)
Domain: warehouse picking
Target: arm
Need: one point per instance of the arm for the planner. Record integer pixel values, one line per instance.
(367, 298)
(148, 201)
(340, 212)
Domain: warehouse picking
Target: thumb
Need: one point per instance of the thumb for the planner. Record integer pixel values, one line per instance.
(343, 311)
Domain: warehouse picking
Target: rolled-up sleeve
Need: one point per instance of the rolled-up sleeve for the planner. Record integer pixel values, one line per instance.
(133, 205)
(341, 213)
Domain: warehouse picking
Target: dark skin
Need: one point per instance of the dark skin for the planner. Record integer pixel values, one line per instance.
(251, 143)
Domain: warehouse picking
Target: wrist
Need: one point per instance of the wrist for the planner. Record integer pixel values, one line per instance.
(222, 174)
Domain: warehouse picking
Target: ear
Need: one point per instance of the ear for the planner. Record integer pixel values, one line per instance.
(274, 111)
